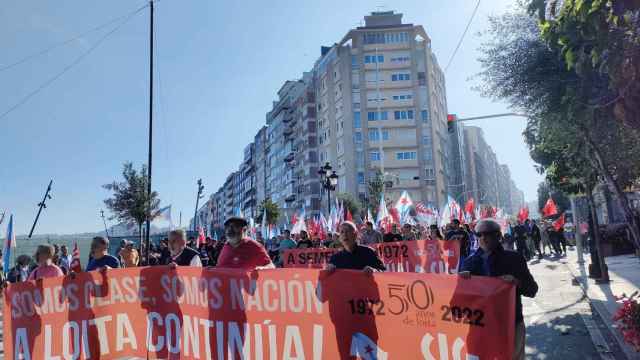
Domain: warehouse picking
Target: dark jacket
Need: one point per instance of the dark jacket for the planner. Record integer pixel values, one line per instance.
(504, 262)
(535, 233)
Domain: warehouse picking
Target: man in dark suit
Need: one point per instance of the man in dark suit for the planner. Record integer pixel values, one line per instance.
(492, 260)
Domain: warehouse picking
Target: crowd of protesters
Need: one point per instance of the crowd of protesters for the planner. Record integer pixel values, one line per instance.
(54, 260)
(532, 238)
(484, 251)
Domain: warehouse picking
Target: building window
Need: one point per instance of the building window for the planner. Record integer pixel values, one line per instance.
(371, 59)
(374, 135)
(403, 114)
(357, 137)
(400, 77)
(354, 62)
(424, 115)
(360, 159)
(400, 59)
(360, 177)
(402, 97)
(406, 155)
(374, 116)
(374, 156)
(385, 135)
(356, 120)
(430, 173)
(422, 79)
(426, 140)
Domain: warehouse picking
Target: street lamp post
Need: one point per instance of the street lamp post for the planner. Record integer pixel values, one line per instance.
(329, 180)
(198, 197)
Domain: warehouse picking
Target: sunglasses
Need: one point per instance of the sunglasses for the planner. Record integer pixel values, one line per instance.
(486, 233)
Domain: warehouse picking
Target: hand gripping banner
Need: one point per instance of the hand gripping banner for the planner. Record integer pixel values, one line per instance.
(429, 256)
(195, 313)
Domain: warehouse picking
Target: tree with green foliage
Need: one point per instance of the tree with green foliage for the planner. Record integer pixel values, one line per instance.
(273, 211)
(569, 139)
(349, 202)
(598, 37)
(130, 201)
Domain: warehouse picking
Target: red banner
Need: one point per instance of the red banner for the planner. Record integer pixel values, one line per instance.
(426, 256)
(195, 313)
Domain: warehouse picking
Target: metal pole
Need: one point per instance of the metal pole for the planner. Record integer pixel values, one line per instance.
(105, 223)
(491, 116)
(379, 115)
(180, 224)
(577, 229)
(328, 197)
(198, 196)
(148, 232)
(42, 205)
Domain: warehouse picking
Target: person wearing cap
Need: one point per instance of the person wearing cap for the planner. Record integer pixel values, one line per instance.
(129, 255)
(354, 256)
(492, 260)
(180, 253)
(240, 251)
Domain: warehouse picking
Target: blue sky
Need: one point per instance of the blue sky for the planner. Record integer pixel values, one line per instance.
(219, 65)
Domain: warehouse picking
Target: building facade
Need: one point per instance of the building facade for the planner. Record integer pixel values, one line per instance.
(373, 103)
(382, 107)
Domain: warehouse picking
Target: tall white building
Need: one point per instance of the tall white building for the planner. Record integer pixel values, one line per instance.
(382, 106)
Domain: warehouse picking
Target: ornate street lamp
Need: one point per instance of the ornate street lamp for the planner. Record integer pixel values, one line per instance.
(329, 181)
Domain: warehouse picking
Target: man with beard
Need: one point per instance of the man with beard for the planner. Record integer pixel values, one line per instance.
(240, 251)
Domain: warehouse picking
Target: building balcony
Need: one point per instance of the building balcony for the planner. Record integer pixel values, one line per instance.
(288, 131)
(372, 48)
(290, 198)
(387, 65)
(388, 84)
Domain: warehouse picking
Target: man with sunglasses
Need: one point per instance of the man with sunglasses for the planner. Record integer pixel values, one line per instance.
(492, 260)
(240, 251)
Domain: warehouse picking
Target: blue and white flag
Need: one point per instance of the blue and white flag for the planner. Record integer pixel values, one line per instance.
(403, 206)
(9, 243)
(165, 213)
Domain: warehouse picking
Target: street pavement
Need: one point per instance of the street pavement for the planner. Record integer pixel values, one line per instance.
(561, 321)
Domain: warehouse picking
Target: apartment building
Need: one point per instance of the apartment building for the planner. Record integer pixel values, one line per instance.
(488, 181)
(382, 106)
(375, 101)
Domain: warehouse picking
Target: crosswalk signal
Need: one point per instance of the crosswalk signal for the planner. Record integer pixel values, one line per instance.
(451, 121)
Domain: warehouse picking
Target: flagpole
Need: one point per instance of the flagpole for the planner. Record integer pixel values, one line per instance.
(105, 223)
(147, 236)
(41, 205)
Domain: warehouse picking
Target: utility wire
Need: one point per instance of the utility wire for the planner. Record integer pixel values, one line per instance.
(463, 35)
(65, 42)
(71, 65)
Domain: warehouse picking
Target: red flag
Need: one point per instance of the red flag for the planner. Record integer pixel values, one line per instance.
(75, 260)
(523, 214)
(549, 208)
(294, 219)
(558, 224)
(394, 215)
(201, 237)
(348, 216)
(469, 206)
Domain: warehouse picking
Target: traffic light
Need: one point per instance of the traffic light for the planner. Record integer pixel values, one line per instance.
(451, 121)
